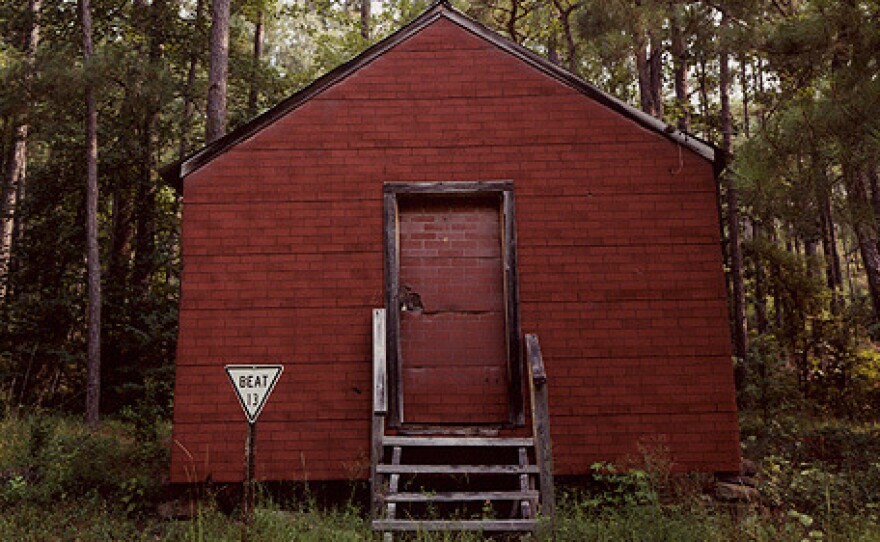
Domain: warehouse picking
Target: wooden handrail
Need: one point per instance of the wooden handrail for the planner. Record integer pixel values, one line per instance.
(536, 360)
(380, 382)
(541, 423)
(380, 406)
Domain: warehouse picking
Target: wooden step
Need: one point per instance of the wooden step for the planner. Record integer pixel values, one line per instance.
(457, 441)
(454, 525)
(457, 469)
(462, 496)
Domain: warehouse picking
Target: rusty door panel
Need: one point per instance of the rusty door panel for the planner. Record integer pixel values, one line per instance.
(452, 322)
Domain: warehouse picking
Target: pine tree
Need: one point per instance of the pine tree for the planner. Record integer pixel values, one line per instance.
(215, 126)
(93, 385)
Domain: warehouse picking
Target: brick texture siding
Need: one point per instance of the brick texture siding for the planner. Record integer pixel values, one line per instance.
(619, 263)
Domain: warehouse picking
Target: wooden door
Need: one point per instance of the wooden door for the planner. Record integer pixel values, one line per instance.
(452, 316)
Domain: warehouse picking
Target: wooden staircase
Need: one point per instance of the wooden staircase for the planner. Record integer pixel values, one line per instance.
(483, 483)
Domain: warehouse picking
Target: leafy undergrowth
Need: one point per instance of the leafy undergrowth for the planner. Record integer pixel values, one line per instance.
(820, 481)
(702, 521)
(823, 468)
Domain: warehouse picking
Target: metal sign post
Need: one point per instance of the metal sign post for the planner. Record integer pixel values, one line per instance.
(252, 384)
(247, 497)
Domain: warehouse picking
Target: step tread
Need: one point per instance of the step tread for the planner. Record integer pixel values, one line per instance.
(457, 469)
(454, 525)
(457, 441)
(459, 496)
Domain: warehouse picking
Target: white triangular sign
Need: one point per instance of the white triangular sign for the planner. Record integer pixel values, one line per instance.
(253, 384)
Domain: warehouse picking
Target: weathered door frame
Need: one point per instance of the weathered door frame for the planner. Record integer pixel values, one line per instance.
(503, 190)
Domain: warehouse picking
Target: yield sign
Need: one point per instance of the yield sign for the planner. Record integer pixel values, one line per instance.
(253, 384)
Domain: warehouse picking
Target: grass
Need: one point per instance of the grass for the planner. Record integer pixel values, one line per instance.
(821, 481)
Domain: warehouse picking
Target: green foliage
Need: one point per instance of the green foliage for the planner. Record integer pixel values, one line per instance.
(53, 460)
(639, 523)
(87, 519)
(272, 523)
(807, 349)
(613, 488)
(820, 481)
(772, 385)
(819, 468)
(42, 324)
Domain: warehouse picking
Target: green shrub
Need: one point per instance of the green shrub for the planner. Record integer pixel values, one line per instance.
(53, 459)
(88, 519)
(819, 477)
(612, 487)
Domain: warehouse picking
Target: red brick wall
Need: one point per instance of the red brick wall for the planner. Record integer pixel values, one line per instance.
(619, 263)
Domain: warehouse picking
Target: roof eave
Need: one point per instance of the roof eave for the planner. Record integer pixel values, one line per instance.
(707, 150)
(175, 172)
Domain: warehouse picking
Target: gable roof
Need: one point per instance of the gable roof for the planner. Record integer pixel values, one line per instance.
(175, 172)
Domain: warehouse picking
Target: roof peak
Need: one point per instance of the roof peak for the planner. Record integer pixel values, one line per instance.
(175, 172)
(441, 5)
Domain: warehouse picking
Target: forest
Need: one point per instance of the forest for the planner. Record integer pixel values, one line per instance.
(98, 96)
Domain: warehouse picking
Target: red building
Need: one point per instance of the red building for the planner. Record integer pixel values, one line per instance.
(478, 192)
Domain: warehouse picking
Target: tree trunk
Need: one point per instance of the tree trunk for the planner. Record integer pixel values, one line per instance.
(847, 250)
(833, 274)
(643, 70)
(740, 333)
(145, 205)
(365, 19)
(724, 92)
(16, 169)
(215, 126)
(810, 241)
(865, 228)
(678, 49)
(188, 90)
(740, 329)
(778, 311)
(759, 75)
(704, 100)
(655, 63)
(649, 69)
(811, 252)
(145, 209)
(93, 383)
(744, 82)
(563, 14)
(254, 92)
(13, 190)
(5, 144)
(121, 237)
(874, 184)
(553, 47)
(512, 20)
(760, 283)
